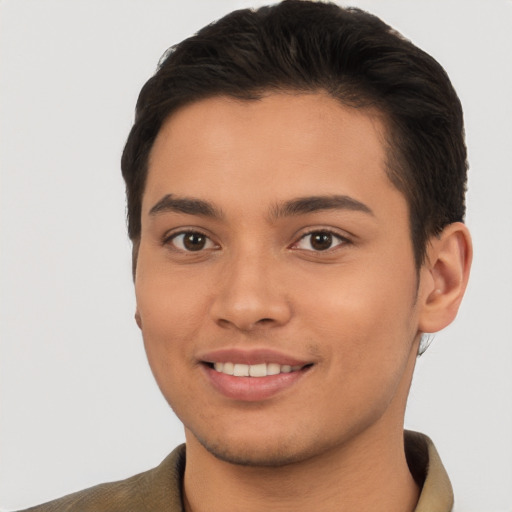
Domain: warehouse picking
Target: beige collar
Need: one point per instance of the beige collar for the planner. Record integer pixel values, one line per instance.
(428, 470)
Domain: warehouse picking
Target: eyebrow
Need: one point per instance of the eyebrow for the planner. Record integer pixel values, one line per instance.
(311, 204)
(189, 206)
(293, 207)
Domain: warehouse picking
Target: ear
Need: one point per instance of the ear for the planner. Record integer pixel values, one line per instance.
(138, 318)
(444, 277)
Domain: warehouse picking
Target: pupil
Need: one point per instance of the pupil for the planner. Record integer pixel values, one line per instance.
(194, 241)
(321, 241)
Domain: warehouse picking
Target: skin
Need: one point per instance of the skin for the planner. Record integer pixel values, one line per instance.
(354, 311)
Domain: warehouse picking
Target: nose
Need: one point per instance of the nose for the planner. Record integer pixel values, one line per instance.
(251, 295)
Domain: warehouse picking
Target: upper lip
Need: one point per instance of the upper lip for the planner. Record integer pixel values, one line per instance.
(251, 356)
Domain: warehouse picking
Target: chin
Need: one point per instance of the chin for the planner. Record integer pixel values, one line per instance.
(261, 452)
(253, 458)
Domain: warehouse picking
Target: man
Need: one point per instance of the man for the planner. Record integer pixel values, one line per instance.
(295, 181)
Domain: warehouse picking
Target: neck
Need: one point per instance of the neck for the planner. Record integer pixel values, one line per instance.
(369, 474)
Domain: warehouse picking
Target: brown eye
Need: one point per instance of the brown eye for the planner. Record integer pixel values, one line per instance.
(319, 241)
(191, 241)
(194, 241)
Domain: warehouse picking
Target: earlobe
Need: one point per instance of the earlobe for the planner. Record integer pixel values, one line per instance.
(444, 277)
(138, 319)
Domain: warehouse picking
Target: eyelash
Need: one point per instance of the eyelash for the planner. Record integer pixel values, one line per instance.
(170, 240)
(341, 240)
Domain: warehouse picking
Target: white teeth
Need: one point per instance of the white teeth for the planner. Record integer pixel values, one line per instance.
(258, 370)
(241, 370)
(254, 370)
(228, 368)
(273, 369)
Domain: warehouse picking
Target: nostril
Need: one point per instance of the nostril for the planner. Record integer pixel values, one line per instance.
(247, 313)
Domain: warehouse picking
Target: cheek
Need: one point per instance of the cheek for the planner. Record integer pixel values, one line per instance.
(168, 336)
(169, 301)
(366, 335)
(171, 310)
(367, 313)
(359, 297)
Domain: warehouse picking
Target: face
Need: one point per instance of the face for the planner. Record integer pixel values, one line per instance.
(276, 285)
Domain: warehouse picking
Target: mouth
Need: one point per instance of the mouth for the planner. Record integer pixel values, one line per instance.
(255, 370)
(254, 375)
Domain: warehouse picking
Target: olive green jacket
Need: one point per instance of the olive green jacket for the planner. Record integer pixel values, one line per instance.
(160, 489)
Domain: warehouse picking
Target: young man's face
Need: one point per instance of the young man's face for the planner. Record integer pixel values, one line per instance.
(272, 237)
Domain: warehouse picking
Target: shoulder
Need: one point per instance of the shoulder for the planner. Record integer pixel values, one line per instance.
(158, 489)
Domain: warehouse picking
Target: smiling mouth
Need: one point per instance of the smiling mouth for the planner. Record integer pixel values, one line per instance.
(254, 370)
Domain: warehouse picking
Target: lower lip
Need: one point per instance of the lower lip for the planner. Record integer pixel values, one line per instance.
(252, 389)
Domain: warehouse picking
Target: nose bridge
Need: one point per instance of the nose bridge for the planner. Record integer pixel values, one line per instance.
(249, 293)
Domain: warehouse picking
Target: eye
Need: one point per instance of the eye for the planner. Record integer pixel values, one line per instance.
(190, 241)
(319, 241)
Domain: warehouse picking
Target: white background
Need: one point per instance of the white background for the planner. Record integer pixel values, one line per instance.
(78, 402)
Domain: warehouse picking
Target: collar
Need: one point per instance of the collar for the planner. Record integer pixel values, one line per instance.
(428, 471)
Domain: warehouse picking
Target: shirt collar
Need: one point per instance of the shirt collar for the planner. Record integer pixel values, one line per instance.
(429, 472)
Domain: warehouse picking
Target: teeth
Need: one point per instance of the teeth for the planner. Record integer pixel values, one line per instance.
(273, 369)
(258, 370)
(254, 370)
(228, 368)
(241, 370)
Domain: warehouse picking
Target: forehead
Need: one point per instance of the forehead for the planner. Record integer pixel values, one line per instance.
(280, 145)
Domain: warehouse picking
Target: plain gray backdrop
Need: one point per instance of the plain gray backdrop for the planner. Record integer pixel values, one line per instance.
(78, 401)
